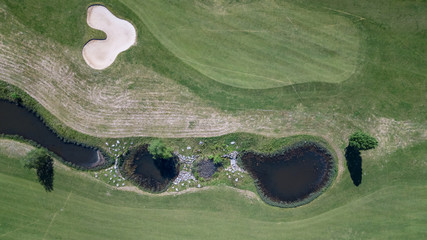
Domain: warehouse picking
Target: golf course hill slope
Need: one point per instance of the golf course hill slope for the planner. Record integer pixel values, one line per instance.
(80, 207)
(210, 69)
(296, 67)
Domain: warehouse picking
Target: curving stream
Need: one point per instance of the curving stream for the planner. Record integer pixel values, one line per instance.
(16, 120)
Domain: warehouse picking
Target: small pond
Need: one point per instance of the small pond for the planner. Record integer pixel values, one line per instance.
(16, 120)
(152, 174)
(206, 168)
(293, 176)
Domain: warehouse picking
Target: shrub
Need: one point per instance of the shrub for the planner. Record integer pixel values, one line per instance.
(196, 175)
(159, 150)
(218, 160)
(16, 97)
(362, 141)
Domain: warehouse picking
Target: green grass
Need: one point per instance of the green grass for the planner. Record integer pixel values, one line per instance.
(389, 77)
(389, 204)
(260, 44)
(386, 49)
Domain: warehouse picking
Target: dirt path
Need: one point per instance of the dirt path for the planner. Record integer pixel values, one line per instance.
(246, 193)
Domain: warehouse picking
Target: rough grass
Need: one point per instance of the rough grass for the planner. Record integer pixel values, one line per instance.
(389, 204)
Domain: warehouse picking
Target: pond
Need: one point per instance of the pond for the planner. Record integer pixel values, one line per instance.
(206, 168)
(293, 176)
(151, 174)
(16, 120)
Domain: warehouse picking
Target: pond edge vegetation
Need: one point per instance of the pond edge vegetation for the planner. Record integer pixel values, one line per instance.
(253, 142)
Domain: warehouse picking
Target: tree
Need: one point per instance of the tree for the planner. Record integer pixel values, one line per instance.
(40, 160)
(362, 141)
(159, 150)
(358, 141)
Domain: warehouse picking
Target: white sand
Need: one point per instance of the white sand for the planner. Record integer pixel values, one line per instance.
(121, 35)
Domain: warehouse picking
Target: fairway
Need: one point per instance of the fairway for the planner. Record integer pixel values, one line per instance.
(81, 207)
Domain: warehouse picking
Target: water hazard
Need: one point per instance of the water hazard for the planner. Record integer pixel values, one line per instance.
(16, 120)
(150, 173)
(290, 176)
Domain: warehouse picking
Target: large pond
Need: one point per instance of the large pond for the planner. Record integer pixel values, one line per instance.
(293, 176)
(151, 174)
(16, 120)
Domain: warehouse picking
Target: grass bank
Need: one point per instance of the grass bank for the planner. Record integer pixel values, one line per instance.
(81, 207)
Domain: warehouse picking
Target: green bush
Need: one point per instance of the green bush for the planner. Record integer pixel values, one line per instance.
(159, 150)
(16, 97)
(362, 141)
(196, 175)
(218, 160)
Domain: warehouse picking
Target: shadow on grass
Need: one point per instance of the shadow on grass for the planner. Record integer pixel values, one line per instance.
(354, 164)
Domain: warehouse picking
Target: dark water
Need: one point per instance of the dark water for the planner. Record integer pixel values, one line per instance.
(206, 168)
(16, 120)
(150, 173)
(290, 176)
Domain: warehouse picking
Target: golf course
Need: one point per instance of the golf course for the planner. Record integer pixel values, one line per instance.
(109, 87)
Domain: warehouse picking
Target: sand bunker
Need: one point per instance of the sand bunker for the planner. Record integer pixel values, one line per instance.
(121, 35)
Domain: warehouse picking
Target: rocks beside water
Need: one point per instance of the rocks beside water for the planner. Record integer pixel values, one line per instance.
(118, 149)
(111, 176)
(233, 162)
(234, 171)
(186, 159)
(185, 177)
